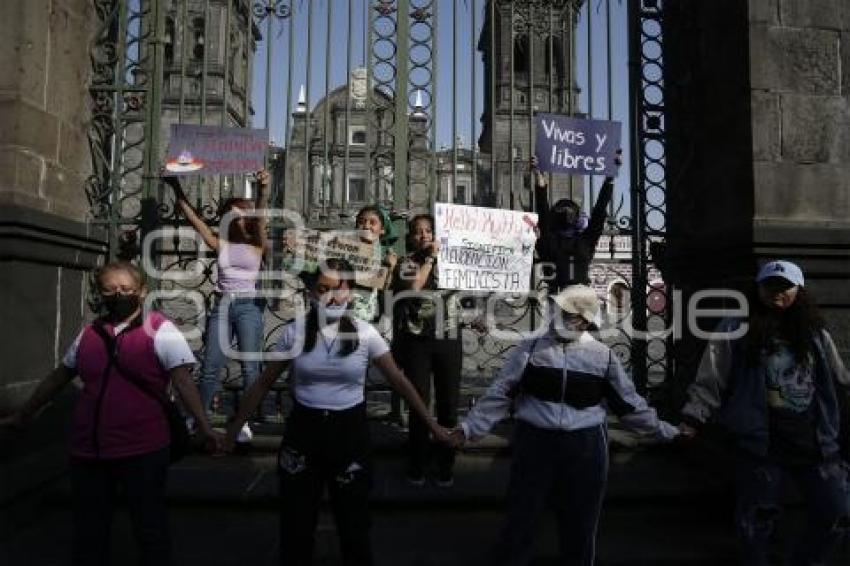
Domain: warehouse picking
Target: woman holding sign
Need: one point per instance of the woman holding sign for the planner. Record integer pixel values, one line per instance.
(427, 342)
(567, 236)
(375, 227)
(236, 306)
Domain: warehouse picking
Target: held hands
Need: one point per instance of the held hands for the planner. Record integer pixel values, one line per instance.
(457, 439)
(441, 433)
(686, 431)
(228, 444)
(213, 442)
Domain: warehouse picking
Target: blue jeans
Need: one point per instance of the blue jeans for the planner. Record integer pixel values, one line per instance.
(244, 315)
(825, 491)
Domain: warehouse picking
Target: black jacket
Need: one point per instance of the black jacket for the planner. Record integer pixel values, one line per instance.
(571, 256)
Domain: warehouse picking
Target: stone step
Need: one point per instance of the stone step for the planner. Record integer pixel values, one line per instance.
(657, 475)
(222, 535)
(663, 507)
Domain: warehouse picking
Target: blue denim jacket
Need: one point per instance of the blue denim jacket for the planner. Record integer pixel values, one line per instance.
(736, 395)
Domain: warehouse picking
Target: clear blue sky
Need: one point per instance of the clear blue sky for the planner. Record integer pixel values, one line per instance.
(468, 61)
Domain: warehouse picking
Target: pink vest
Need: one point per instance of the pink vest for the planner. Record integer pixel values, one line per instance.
(113, 417)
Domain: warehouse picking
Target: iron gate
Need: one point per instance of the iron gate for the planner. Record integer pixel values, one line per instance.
(400, 102)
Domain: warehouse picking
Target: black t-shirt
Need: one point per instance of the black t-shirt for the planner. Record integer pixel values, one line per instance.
(790, 394)
(417, 315)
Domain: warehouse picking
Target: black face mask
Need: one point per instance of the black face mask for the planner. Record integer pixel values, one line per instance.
(118, 306)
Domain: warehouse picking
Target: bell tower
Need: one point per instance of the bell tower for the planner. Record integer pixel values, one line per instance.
(528, 49)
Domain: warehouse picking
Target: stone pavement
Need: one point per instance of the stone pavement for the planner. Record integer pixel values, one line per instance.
(664, 506)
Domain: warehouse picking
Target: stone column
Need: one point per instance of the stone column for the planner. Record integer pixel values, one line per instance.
(800, 93)
(758, 149)
(46, 246)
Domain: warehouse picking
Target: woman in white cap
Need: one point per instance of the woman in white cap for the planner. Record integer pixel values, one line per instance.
(777, 386)
(564, 383)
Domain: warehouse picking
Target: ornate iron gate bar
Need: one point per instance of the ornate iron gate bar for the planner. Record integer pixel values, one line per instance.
(122, 89)
(646, 83)
(401, 133)
(419, 99)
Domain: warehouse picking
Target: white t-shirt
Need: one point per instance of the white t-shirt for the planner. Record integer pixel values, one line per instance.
(322, 378)
(170, 345)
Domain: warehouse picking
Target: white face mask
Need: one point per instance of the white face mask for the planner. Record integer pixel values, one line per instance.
(329, 313)
(567, 328)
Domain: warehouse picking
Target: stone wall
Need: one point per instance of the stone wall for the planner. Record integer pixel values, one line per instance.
(758, 150)
(709, 142)
(800, 53)
(43, 146)
(46, 247)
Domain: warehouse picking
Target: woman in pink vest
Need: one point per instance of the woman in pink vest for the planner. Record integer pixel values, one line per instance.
(120, 433)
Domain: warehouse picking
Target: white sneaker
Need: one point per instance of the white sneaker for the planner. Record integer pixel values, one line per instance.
(245, 435)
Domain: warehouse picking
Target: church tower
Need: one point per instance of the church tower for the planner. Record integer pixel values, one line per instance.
(528, 49)
(209, 52)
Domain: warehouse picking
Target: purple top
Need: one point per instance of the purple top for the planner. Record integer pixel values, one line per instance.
(238, 267)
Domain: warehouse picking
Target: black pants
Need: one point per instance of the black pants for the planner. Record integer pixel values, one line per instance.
(566, 470)
(95, 487)
(325, 448)
(420, 358)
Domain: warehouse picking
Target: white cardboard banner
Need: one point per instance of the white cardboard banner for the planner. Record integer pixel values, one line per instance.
(484, 249)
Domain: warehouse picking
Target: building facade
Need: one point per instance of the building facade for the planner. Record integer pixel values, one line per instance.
(340, 152)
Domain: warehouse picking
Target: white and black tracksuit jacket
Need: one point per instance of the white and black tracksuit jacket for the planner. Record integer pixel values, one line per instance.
(565, 386)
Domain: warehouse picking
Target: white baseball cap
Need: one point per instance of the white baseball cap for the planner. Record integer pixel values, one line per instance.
(580, 300)
(781, 268)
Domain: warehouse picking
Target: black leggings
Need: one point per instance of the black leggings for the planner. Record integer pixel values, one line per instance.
(325, 448)
(419, 358)
(95, 487)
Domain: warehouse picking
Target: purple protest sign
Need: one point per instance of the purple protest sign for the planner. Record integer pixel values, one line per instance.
(211, 150)
(575, 146)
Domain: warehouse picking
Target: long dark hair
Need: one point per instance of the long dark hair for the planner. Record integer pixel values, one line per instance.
(797, 325)
(252, 224)
(347, 329)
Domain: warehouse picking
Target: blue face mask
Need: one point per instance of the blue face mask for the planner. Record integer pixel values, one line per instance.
(329, 313)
